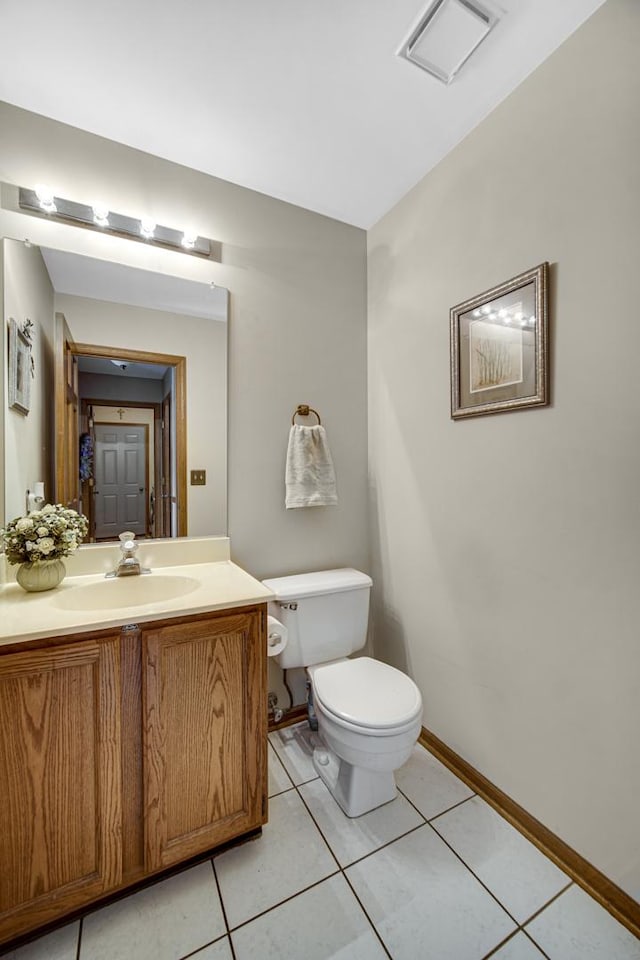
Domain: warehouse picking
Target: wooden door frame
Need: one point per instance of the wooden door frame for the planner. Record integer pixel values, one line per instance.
(179, 365)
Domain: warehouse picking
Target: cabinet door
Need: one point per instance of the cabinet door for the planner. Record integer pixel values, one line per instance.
(60, 784)
(204, 749)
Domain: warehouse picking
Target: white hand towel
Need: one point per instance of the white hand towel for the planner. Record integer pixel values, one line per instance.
(310, 479)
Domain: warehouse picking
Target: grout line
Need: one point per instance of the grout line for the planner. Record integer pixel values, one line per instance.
(317, 826)
(435, 816)
(281, 902)
(342, 869)
(536, 944)
(222, 906)
(194, 953)
(471, 871)
(454, 806)
(500, 945)
(548, 903)
(362, 907)
(520, 925)
(80, 928)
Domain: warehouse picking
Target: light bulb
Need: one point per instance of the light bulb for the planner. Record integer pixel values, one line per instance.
(532, 320)
(189, 238)
(486, 310)
(45, 198)
(101, 214)
(147, 228)
(519, 315)
(477, 313)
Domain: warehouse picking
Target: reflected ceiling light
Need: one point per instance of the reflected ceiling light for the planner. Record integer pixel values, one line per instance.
(120, 363)
(147, 228)
(100, 217)
(45, 198)
(101, 214)
(447, 35)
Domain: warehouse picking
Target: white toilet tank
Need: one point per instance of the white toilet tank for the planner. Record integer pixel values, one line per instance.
(326, 614)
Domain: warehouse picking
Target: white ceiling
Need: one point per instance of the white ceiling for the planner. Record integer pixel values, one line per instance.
(81, 276)
(307, 102)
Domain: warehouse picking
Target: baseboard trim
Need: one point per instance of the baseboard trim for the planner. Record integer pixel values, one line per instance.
(292, 715)
(619, 904)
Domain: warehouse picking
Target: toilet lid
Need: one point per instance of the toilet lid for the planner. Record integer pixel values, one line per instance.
(367, 693)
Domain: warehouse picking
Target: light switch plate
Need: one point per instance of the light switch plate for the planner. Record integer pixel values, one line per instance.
(198, 478)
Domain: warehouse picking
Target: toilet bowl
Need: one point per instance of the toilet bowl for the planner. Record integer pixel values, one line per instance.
(369, 718)
(369, 714)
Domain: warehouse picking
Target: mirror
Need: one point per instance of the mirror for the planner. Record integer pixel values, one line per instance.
(142, 349)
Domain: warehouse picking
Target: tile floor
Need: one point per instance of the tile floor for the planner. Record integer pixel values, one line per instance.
(434, 875)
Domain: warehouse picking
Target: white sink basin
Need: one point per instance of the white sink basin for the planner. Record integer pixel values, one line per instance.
(131, 591)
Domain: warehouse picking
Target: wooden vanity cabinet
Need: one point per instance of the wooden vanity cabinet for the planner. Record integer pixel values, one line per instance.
(124, 754)
(60, 780)
(204, 735)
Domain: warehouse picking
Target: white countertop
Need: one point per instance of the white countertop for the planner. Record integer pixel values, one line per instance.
(206, 586)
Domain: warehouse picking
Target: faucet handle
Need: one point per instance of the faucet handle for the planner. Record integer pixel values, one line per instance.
(127, 541)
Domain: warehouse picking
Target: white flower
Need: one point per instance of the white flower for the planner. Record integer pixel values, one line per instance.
(48, 509)
(29, 545)
(45, 545)
(43, 531)
(24, 524)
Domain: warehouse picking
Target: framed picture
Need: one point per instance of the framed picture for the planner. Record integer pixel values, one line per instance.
(499, 354)
(19, 368)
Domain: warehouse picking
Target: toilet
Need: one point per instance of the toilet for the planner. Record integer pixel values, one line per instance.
(369, 714)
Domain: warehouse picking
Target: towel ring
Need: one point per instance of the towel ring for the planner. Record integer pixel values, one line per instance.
(304, 410)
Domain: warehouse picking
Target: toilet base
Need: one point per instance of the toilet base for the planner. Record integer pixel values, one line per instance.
(355, 789)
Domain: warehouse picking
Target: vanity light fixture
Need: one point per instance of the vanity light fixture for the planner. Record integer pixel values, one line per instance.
(44, 196)
(447, 35)
(101, 214)
(147, 228)
(42, 201)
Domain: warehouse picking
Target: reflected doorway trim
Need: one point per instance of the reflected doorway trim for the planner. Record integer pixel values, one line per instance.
(86, 486)
(179, 365)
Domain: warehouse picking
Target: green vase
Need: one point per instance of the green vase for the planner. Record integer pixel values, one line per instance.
(40, 575)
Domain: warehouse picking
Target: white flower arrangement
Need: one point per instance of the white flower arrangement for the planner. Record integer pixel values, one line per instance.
(47, 534)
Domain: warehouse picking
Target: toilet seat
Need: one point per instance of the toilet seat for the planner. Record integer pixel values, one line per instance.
(366, 695)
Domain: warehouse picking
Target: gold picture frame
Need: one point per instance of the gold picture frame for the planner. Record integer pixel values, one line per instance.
(499, 347)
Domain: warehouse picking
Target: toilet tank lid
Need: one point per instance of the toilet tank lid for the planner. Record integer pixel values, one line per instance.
(313, 584)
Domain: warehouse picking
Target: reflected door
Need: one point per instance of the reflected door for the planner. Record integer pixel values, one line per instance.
(120, 501)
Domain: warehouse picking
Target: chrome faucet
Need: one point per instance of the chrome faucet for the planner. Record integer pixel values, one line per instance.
(129, 565)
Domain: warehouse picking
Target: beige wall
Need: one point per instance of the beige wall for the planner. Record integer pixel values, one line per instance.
(297, 322)
(28, 293)
(507, 548)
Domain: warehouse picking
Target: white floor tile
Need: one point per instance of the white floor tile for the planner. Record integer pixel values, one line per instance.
(289, 856)
(220, 950)
(350, 838)
(430, 786)
(294, 746)
(518, 948)
(324, 923)
(163, 922)
(575, 927)
(59, 945)
(515, 871)
(279, 780)
(425, 903)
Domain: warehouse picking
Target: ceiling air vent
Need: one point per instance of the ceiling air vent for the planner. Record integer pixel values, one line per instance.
(447, 35)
